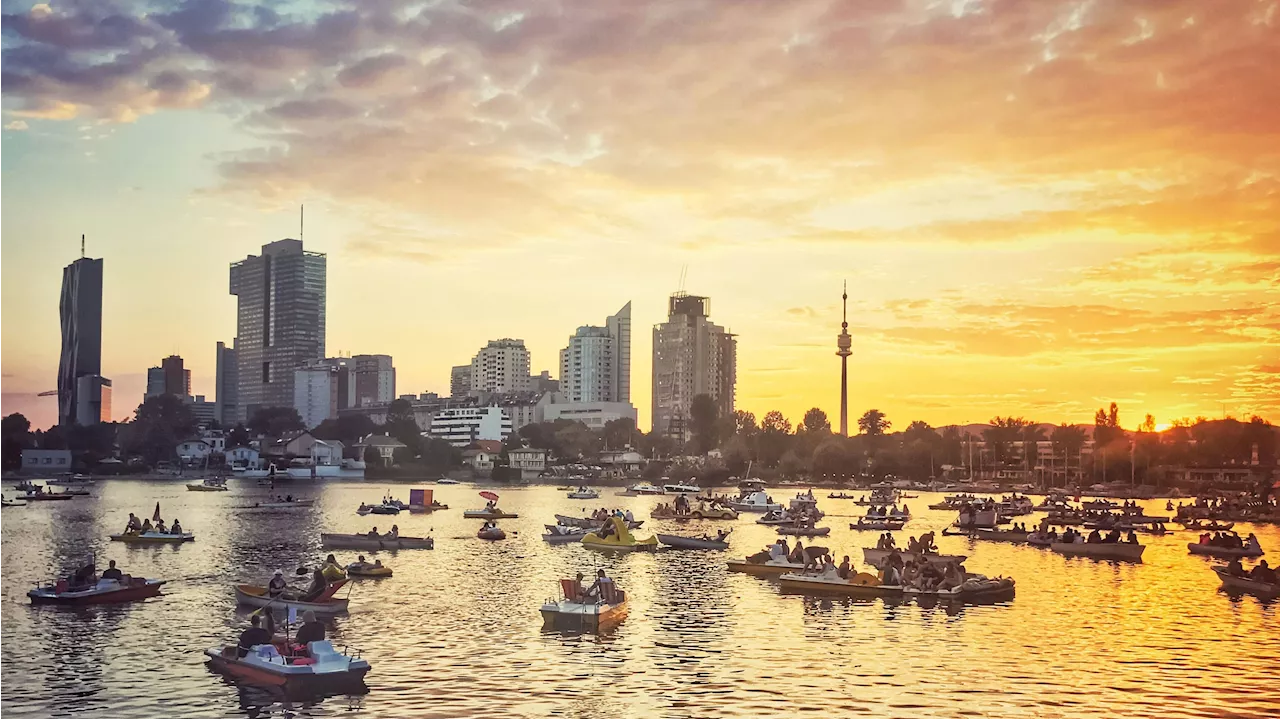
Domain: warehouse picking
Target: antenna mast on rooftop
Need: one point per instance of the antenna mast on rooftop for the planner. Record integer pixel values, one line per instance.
(82, 247)
(302, 220)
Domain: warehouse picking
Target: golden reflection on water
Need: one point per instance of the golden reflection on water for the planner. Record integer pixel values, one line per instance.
(456, 631)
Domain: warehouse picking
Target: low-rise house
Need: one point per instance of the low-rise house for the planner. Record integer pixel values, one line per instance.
(529, 462)
(384, 445)
(193, 450)
(46, 460)
(481, 461)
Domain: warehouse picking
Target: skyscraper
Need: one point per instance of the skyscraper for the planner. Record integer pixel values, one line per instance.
(691, 356)
(177, 380)
(460, 381)
(843, 343)
(280, 322)
(375, 379)
(155, 382)
(224, 380)
(501, 366)
(596, 366)
(80, 310)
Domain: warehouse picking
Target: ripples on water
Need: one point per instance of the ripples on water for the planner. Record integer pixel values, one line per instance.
(456, 631)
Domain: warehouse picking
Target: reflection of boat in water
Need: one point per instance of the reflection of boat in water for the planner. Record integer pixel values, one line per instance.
(1100, 550)
(153, 537)
(575, 613)
(363, 541)
(1244, 584)
(106, 591)
(323, 669)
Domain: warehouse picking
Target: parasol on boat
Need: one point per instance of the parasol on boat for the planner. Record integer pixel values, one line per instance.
(491, 496)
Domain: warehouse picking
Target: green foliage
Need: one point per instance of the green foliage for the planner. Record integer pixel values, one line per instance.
(238, 436)
(347, 428)
(815, 422)
(276, 421)
(15, 436)
(158, 425)
(873, 423)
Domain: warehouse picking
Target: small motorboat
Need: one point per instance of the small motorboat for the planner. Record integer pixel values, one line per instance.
(584, 493)
(1199, 526)
(491, 533)
(678, 542)
(50, 496)
(707, 510)
(641, 489)
(251, 595)
(560, 534)
(582, 614)
(804, 531)
(320, 669)
(619, 539)
(877, 557)
(1208, 550)
(1231, 582)
(975, 588)
(106, 591)
(364, 541)
(776, 518)
(385, 509)
(681, 488)
(755, 502)
(209, 485)
(153, 537)
(771, 568)
(1100, 550)
(365, 569)
(494, 513)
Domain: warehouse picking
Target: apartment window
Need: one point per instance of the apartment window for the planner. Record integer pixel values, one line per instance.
(62, 460)
(266, 372)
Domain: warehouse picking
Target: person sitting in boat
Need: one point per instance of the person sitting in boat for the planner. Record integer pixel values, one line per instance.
(176, 528)
(310, 631)
(952, 576)
(363, 507)
(891, 575)
(332, 572)
(394, 533)
(319, 583)
(113, 573)
(778, 551)
(1263, 573)
(844, 571)
(146, 526)
(255, 635)
(134, 525)
(84, 576)
(721, 534)
(1095, 537)
(1132, 538)
(602, 589)
(373, 533)
(926, 543)
(629, 517)
(160, 528)
(360, 563)
(1235, 569)
(277, 586)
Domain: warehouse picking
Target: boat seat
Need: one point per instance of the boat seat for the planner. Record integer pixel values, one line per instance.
(570, 589)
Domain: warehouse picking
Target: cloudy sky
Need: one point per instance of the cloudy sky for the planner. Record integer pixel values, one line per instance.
(1039, 207)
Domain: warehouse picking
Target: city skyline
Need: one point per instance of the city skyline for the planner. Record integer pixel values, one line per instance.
(1040, 207)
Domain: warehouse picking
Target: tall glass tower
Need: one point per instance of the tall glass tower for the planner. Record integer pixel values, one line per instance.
(81, 313)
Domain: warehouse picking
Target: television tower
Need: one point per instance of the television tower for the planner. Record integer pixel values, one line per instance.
(844, 342)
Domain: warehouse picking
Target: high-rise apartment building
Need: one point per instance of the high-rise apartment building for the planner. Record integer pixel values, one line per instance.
(691, 356)
(280, 322)
(80, 311)
(460, 381)
(224, 389)
(596, 366)
(93, 399)
(375, 380)
(501, 366)
(316, 392)
(177, 379)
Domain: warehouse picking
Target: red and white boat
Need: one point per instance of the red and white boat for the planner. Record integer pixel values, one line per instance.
(105, 591)
(321, 668)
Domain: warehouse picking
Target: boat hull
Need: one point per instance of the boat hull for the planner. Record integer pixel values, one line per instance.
(46, 595)
(206, 488)
(154, 538)
(994, 590)
(768, 569)
(1246, 585)
(249, 595)
(373, 544)
(1209, 550)
(678, 542)
(566, 615)
(491, 535)
(794, 532)
(481, 514)
(349, 681)
(879, 526)
(877, 557)
(1101, 550)
(640, 546)
(552, 538)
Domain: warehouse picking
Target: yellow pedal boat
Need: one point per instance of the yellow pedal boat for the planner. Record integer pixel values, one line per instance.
(619, 538)
(367, 570)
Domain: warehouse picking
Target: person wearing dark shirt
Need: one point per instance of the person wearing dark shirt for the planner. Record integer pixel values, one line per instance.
(318, 584)
(112, 572)
(310, 631)
(254, 635)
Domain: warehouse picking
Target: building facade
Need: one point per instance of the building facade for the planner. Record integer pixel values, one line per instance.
(315, 393)
(375, 380)
(80, 312)
(93, 399)
(203, 411)
(155, 382)
(593, 414)
(463, 425)
(502, 366)
(224, 385)
(280, 322)
(46, 460)
(460, 381)
(691, 356)
(596, 365)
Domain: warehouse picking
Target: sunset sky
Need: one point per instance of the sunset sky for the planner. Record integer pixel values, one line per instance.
(1039, 207)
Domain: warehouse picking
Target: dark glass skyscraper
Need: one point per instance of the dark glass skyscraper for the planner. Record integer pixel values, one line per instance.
(279, 322)
(81, 313)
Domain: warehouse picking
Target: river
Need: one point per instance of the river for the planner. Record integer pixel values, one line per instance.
(456, 632)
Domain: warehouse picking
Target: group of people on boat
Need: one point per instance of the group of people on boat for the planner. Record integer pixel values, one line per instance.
(1229, 540)
(602, 591)
(363, 564)
(87, 576)
(393, 534)
(923, 575)
(1262, 572)
(324, 574)
(263, 632)
(889, 511)
(144, 526)
(1073, 536)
